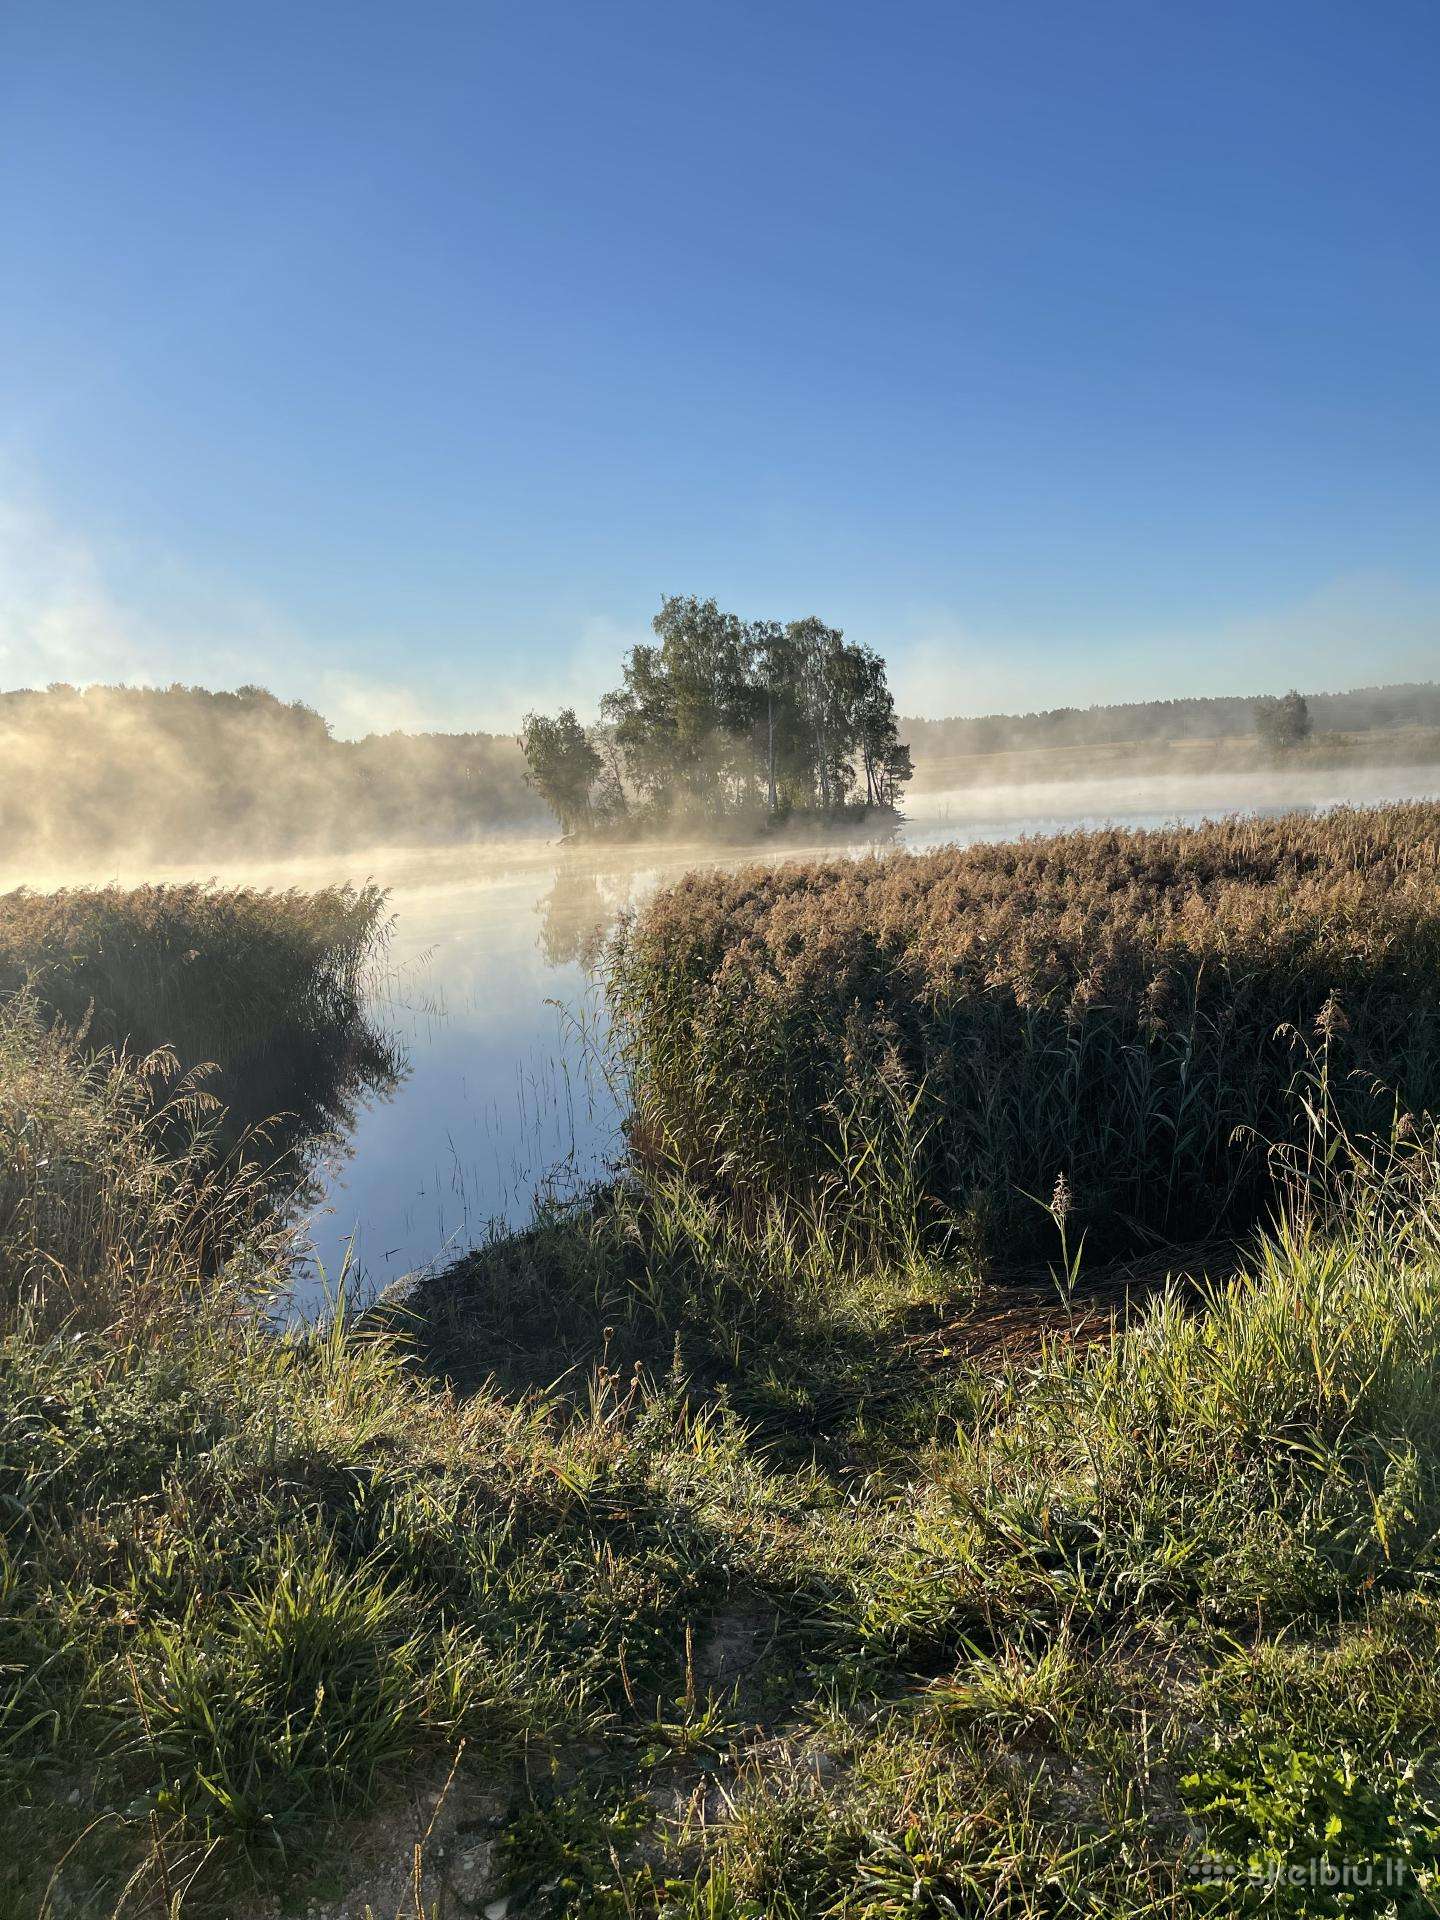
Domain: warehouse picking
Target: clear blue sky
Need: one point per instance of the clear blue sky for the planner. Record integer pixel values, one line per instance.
(402, 355)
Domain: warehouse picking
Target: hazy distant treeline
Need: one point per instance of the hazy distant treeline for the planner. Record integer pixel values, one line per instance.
(1227, 716)
(181, 771)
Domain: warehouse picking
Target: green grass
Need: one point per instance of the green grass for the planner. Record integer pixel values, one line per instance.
(691, 1536)
(1021, 1656)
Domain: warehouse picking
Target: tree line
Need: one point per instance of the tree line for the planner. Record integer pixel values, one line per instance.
(726, 716)
(184, 771)
(1214, 717)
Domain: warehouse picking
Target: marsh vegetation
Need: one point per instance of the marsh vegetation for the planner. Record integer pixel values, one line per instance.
(256, 999)
(725, 1544)
(1129, 1011)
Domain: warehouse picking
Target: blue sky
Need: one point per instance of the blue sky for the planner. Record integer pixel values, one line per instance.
(401, 356)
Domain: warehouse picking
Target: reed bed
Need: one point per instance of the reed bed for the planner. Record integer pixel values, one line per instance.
(1108, 1028)
(115, 1205)
(215, 972)
(265, 990)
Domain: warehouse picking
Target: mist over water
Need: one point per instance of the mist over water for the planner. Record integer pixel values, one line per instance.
(486, 987)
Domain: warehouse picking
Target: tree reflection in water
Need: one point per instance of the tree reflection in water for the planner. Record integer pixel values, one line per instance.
(294, 1099)
(577, 912)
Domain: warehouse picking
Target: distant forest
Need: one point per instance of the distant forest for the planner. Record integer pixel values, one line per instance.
(180, 771)
(1228, 716)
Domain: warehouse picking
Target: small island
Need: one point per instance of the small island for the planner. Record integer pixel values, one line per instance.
(730, 728)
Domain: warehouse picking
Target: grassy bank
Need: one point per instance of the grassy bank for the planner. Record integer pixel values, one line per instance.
(682, 1562)
(1126, 1018)
(1051, 1644)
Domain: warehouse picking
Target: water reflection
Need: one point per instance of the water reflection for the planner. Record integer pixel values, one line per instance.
(490, 998)
(577, 912)
(297, 1101)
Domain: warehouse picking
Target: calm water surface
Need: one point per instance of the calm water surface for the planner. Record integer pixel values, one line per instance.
(489, 993)
(486, 989)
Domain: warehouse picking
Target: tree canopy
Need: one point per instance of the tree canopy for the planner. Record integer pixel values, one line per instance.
(724, 715)
(1285, 722)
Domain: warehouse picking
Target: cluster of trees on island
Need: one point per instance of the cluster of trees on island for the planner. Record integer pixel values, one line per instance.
(725, 717)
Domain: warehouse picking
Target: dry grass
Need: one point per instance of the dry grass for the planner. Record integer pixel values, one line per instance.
(114, 1205)
(1126, 1012)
